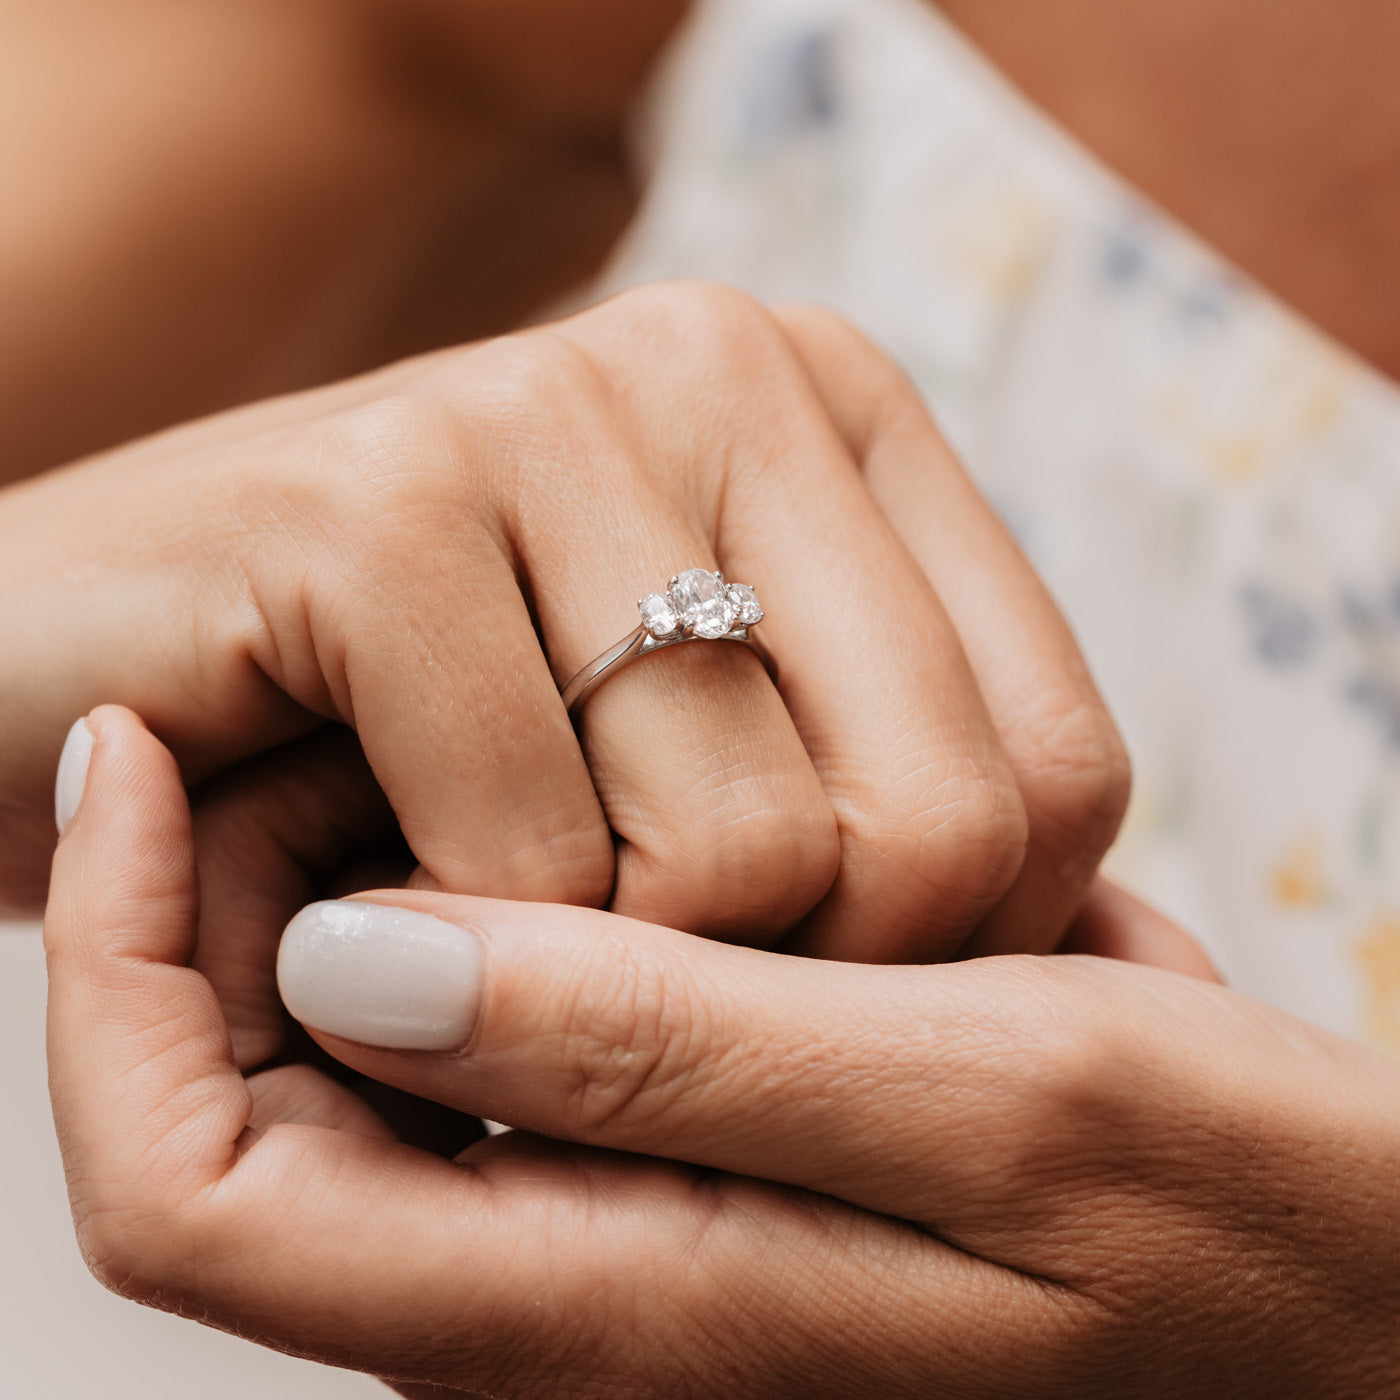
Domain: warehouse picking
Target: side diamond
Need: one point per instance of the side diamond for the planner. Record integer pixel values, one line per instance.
(658, 616)
(745, 605)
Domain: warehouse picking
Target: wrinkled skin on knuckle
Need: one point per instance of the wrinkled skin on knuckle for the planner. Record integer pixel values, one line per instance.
(370, 455)
(706, 369)
(1062, 1076)
(549, 436)
(464, 437)
(950, 855)
(772, 863)
(139, 1250)
(567, 867)
(383, 507)
(744, 870)
(708, 321)
(360, 499)
(1076, 779)
(632, 1036)
(512, 391)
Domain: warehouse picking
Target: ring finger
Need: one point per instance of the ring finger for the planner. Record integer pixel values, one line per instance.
(722, 823)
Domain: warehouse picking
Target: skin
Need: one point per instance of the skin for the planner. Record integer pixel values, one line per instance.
(1265, 130)
(268, 589)
(1012, 1177)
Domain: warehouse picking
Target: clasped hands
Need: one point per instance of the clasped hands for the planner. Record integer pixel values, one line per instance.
(736, 1172)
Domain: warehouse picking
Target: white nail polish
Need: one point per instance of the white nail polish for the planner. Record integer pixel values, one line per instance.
(381, 975)
(72, 774)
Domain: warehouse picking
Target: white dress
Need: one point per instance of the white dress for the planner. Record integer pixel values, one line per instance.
(1210, 486)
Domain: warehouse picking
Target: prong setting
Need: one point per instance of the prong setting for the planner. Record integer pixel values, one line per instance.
(659, 616)
(699, 604)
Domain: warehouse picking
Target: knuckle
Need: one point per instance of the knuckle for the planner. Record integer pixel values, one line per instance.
(957, 851)
(513, 384)
(463, 432)
(398, 494)
(384, 449)
(574, 867)
(748, 868)
(372, 476)
(714, 322)
(1076, 780)
(1068, 1072)
(527, 395)
(133, 1251)
(632, 1036)
(774, 862)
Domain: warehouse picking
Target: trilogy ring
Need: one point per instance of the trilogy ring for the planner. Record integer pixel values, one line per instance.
(697, 606)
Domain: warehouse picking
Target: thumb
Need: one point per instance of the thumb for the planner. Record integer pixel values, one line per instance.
(589, 1027)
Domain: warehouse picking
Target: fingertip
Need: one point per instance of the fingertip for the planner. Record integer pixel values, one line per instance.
(381, 975)
(125, 865)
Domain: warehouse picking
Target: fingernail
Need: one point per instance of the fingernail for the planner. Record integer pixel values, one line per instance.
(72, 774)
(381, 975)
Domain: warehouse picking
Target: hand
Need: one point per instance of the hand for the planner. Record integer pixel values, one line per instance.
(424, 554)
(1017, 1177)
(206, 204)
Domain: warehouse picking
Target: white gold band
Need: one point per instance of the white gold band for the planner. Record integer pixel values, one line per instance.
(697, 607)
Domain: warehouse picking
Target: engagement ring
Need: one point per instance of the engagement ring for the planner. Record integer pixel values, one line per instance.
(699, 606)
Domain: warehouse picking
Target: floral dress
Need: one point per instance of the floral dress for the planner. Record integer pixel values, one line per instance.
(1210, 486)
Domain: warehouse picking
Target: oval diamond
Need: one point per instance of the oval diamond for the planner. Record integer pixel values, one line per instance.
(658, 616)
(702, 603)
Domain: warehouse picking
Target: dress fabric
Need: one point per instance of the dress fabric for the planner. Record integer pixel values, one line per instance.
(1209, 485)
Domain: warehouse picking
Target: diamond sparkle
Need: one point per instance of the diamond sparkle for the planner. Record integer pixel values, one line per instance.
(658, 616)
(745, 605)
(699, 604)
(702, 603)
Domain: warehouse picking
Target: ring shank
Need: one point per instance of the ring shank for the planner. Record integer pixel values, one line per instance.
(641, 643)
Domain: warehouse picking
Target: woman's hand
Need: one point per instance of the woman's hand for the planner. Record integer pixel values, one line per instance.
(1015, 1177)
(426, 553)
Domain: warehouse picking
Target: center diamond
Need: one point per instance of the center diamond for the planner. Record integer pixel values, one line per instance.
(702, 603)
